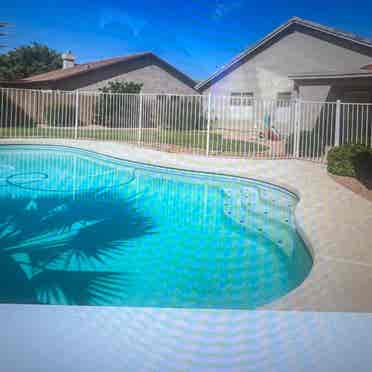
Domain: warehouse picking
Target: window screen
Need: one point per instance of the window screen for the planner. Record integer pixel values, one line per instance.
(241, 99)
(283, 99)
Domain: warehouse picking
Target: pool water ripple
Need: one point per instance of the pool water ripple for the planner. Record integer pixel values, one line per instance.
(80, 228)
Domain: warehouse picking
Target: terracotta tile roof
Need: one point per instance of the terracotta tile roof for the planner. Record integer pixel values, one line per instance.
(83, 68)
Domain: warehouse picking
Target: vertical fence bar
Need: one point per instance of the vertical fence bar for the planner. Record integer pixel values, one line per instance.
(208, 124)
(76, 113)
(338, 123)
(140, 119)
(296, 137)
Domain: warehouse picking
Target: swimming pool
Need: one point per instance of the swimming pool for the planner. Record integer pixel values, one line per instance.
(80, 228)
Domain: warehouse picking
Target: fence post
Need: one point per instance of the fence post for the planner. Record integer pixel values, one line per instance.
(296, 139)
(338, 123)
(208, 124)
(140, 119)
(76, 113)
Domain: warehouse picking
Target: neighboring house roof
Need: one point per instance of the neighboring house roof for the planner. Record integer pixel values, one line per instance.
(295, 21)
(79, 69)
(332, 75)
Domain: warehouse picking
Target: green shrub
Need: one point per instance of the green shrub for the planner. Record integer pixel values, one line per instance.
(350, 160)
(123, 87)
(60, 115)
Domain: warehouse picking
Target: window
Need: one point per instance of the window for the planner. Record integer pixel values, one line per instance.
(283, 99)
(241, 99)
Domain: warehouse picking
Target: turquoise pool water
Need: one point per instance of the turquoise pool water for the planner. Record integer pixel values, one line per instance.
(80, 228)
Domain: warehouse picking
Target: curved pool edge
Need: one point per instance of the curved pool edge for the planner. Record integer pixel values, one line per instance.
(288, 189)
(341, 273)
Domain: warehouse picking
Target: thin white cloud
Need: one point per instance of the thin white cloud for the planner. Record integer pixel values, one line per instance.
(223, 8)
(134, 23)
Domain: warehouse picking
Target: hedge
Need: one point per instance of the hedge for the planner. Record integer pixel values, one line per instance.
(350, 160)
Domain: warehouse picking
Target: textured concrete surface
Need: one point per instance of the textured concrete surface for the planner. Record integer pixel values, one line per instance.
(76, 339)
(335, 222)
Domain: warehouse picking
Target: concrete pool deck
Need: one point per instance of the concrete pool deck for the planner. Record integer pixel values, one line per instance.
(335, 223)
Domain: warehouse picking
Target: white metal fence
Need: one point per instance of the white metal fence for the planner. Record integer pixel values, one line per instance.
(210, 125)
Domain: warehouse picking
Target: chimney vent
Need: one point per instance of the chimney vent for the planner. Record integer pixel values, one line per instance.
(68, 60)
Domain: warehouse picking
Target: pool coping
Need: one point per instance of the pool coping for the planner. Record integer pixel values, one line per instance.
(335, 297)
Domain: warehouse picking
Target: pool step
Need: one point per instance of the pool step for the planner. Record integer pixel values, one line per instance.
(263, 215)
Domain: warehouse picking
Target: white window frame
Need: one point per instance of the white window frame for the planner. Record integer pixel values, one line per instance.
(241, 98)
(283, 102)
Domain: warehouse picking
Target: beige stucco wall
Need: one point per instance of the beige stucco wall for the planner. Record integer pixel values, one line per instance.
(155, 79)
(266, 74)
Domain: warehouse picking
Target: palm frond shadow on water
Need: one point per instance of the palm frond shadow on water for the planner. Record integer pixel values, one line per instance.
(57, 250)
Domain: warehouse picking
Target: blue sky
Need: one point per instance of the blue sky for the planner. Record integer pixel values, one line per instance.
(196, 36)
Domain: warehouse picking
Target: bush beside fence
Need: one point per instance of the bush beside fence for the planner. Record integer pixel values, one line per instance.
(350, 160)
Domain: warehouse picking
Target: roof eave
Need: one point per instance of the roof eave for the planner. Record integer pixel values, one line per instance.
(293, 21)
(187, 80)
(329, 76)
(244, 54)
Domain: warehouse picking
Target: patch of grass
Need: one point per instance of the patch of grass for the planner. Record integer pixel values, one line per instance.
(196, 139)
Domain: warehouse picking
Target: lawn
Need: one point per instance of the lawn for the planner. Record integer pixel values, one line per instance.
(196, 140)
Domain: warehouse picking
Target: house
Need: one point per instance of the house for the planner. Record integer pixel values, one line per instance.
(299, 59)
(156, 75)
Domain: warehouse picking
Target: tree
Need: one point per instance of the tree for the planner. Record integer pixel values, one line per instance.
(126, 87)
(28, 60)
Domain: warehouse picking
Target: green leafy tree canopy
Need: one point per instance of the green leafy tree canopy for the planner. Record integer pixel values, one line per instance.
(128, 87)
(28, 60)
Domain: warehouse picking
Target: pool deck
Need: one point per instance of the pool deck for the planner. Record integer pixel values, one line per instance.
(335, 223)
